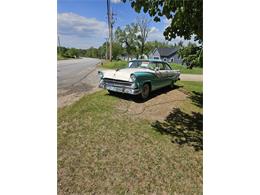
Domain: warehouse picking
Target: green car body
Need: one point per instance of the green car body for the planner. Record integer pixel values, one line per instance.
(138, 76)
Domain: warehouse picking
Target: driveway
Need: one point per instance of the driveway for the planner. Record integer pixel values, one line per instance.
(191, 77)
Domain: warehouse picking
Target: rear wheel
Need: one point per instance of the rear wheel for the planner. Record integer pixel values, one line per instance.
(172, 85)
(145, 91)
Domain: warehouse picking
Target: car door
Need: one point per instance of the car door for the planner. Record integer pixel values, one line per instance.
(157, 79)
(164, 80)
(171, 74)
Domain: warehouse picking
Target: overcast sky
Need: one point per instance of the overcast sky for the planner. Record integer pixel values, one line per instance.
(83, 23)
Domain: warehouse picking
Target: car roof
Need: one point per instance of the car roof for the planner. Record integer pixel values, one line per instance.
(147, 60)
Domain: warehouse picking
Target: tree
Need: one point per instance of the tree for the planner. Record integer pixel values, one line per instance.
(143, 25)
(128, 38)
(191, 55)
(72, 53)
(92, 52)
(185, 16)
(117, 50)
(62, 51)
(102, 50)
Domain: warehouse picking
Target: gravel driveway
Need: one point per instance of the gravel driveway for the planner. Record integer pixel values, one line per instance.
(191, 77)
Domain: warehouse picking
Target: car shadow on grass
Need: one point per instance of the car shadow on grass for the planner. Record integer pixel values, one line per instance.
(138, 99)
(184, 128)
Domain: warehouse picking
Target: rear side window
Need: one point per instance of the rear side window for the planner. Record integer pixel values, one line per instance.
(152, 65)
(161, 66)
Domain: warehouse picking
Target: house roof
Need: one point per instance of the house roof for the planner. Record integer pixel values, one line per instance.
(167, 51)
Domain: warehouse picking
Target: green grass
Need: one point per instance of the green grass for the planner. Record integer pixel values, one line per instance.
(103, 151)
(184, 70)
(114, 64)
(191, 86)
(60, 57)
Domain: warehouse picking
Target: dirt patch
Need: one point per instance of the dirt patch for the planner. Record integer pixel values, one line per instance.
(73, 94)
(80, 88)
(156, 108)
(86, 85)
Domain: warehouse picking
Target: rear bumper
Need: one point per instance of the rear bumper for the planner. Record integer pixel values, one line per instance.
(119, 88)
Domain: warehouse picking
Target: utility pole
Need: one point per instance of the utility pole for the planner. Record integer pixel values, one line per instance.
(110, 22)
(106, 48)
(59, 42)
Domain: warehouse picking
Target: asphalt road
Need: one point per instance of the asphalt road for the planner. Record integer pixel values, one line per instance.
(72, 73)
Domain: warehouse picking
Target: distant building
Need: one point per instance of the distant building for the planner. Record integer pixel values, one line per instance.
(166, 54)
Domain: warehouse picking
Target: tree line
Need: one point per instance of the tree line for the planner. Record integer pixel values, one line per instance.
(118, 50)
(191, 54)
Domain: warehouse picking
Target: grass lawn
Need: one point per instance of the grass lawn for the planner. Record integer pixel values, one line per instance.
(102, 151)
(114, 64)
(184, 70)
(60, 57)
(191, 86)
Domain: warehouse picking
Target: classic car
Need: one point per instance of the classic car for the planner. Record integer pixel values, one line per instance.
(141, 77)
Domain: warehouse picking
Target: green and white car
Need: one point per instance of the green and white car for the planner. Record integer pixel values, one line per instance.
(141, 77)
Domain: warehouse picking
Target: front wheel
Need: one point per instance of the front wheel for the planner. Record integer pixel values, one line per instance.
(111, 92)
(145, 91)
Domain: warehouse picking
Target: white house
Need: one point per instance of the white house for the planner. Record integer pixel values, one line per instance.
(166, 54)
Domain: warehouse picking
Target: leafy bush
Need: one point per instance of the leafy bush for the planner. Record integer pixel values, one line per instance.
(192, 55)
(185, 70)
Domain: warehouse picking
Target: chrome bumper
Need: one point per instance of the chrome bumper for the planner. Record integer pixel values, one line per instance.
(119, 88)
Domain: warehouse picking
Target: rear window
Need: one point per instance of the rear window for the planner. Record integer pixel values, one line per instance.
(138, 64)
(142, 64)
